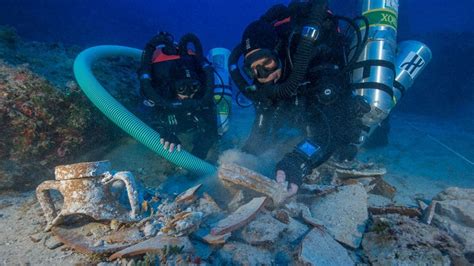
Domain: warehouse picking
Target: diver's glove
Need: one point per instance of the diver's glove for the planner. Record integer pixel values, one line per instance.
(300, 162)
(169, 140)
(295, 167)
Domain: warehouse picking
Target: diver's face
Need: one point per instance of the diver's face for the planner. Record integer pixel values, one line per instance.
(265, 70)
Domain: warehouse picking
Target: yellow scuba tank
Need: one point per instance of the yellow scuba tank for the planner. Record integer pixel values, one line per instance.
(222, 89)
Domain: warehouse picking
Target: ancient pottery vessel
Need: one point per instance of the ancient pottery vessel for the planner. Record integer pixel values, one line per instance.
(86, 190)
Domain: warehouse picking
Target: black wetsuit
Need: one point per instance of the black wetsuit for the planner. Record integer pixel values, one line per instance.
(327, 120)
(171, 116)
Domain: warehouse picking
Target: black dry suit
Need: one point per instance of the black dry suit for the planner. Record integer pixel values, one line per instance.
(312, 94)
(168, 69)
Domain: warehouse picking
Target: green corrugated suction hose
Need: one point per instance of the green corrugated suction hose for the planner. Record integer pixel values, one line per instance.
(120, 115)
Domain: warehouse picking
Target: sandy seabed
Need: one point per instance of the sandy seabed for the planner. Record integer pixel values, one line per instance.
(425, 156)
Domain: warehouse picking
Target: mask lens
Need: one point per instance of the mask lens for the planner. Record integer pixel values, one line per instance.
(262, 71)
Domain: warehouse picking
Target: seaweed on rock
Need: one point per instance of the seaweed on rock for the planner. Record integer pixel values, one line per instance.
(41, 126)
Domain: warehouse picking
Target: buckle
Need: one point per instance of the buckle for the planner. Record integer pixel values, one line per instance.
(310, 32)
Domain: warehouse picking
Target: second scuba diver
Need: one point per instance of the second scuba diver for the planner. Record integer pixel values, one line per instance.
(176, 84)
(295, 56)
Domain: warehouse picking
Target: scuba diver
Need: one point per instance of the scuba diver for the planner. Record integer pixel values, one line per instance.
(176, 84)
(297, 58)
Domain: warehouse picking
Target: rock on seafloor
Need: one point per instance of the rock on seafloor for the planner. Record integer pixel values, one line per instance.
(454, 213)
(344, 214)
(41, 126)
(378, 201)
(319, 248)
(235, 253)
(263, 230)
(295, 231)
(399, 240)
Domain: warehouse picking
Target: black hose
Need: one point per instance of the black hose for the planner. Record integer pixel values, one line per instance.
(148, 51)
(366, 36)
(352, 24)
(187, 39)
(275, 13)
(302, 59)
(361, 42)
(302, 56)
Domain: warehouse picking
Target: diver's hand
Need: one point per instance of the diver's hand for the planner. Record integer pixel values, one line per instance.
(293, 167)
(281, 179)
(170, 142)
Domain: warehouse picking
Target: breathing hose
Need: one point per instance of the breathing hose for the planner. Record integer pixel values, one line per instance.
(123, 118)
(301, 61)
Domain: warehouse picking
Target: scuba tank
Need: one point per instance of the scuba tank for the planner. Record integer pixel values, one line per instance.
(373, 74)
(412, 58)
(384, 72)
(219, 58)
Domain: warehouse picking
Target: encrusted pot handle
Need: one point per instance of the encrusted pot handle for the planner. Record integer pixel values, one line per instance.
(45, 200)
(132, 193)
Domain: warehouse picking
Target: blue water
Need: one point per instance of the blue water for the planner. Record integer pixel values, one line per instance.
(447, 27)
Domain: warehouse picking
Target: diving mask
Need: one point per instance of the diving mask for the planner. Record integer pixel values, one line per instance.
(187, 87)
(263, 69)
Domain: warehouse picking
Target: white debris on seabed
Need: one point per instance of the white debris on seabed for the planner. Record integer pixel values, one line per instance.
(347, 219)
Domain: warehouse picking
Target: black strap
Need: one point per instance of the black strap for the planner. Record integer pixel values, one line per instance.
(399, 87)
(368, 64)
(374, 86)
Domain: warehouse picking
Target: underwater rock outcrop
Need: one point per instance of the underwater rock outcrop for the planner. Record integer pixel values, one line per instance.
(41, 126)
(8, 36)
(399, 240)
(454, 213)
(44, 117)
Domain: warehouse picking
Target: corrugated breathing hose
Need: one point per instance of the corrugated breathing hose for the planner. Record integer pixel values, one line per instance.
(122, 117)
